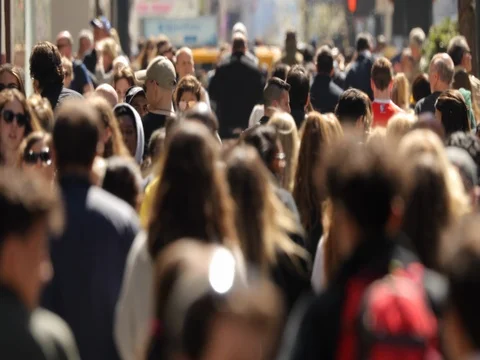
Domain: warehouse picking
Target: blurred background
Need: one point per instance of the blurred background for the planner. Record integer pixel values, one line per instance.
(207, 23)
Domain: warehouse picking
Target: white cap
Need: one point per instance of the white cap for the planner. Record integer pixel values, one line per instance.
(240, 28)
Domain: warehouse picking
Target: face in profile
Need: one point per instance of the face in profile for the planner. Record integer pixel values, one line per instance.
(129, 132)
(12, 125)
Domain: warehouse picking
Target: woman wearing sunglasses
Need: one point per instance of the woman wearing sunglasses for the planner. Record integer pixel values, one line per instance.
(36, 155)
(187, 94)
(16, 123)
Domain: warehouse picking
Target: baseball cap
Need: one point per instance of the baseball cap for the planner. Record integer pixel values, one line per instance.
(132, 92)
(102, 23)
(162, 71)
(240, 28)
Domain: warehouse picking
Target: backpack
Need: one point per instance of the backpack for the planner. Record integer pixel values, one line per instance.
(396, 319)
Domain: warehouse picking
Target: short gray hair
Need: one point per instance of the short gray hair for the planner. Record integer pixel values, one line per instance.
(444, 67)
(417, 37)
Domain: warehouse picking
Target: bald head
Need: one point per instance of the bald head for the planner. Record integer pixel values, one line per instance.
(64, 44)
(441, 72)
(239, 43)
(184, 63)
(108, 93)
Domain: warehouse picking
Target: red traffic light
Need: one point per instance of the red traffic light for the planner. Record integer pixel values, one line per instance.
(352, 5)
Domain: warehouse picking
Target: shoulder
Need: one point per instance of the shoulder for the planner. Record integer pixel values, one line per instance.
(337, 90)
(53, 335)
(111, 207)
(66, 93)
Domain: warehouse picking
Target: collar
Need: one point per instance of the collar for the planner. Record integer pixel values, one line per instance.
(162, 112)
(383, 101)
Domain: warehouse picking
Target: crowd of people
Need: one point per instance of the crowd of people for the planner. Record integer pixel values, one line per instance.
(324, 210)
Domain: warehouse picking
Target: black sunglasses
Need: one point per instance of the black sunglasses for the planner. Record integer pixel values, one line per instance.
(9, 115)
(33, 157)
(8, 86)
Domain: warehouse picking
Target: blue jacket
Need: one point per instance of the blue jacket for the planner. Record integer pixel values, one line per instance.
(358, 76)
(88, 262)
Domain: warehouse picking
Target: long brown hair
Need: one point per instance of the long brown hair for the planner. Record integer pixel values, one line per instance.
(317, 133)
(115, 145)
(143, 58)
(263, 222)
(9, 95)
(192, 198)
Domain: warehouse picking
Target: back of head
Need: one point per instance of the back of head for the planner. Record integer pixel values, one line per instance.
(454, 112)
(353, 105)
(457, 47)
(190, 178)
(382, 73)
(123, 179)
(107, 92)
(202, 113)
(363, 42)
(264, 140)
(239, 43)
(399, 125)
(420, 87)
(274, 89)
(401, 91)
(75, 135)
(428, 190)
(299, 82)
(463, 271)
(46, 65)
(43, 111)
(469, 143)
(364, 181)
(461, 79)
(443, 66)
(281, 71)
(324, 60)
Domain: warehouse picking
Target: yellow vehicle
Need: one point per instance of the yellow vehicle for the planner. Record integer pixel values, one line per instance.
(206, 58)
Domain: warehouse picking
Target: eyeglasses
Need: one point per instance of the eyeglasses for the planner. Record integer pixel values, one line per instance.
(9, 115)
(8, 86)
(33, 157)
(183, 105)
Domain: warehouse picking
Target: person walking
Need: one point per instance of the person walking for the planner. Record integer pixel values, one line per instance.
(358, 76)
(89, 257)
(440, 75)
(236, 88)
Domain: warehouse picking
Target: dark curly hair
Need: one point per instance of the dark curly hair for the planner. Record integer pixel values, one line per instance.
(46, 65)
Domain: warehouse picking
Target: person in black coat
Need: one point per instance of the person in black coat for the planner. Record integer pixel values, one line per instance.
(325, 94)
(236, 88)
(358, 76)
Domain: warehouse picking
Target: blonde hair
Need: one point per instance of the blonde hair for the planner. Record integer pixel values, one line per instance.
(110, 47)
(422, 141)
(401, 91)
(288, 136)
(263, 222)
(399, 125)
(378, 133)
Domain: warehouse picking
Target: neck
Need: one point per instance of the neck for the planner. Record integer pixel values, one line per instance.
(441, 87)
(162, 104)
(76, 171)
(9, 157)
(269, 111)
(381, 94)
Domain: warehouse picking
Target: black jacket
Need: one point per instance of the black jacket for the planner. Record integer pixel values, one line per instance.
(40, 335)
(324, 94)
(427, 104)
(236, 88)
(358, 76)
(314, 329)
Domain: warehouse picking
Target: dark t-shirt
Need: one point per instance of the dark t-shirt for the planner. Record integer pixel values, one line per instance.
(80, 78)
(427, 104)
(152, 122)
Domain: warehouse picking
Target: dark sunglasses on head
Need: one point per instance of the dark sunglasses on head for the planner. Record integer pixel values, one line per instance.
(9, 115)
(8, 86)
(32, 157)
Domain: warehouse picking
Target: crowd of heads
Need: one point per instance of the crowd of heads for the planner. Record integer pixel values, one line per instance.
(236, 230)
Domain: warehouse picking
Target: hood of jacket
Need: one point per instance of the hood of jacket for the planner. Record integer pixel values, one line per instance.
(138, 126)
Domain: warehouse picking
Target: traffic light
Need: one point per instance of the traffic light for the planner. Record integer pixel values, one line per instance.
(361, 7)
